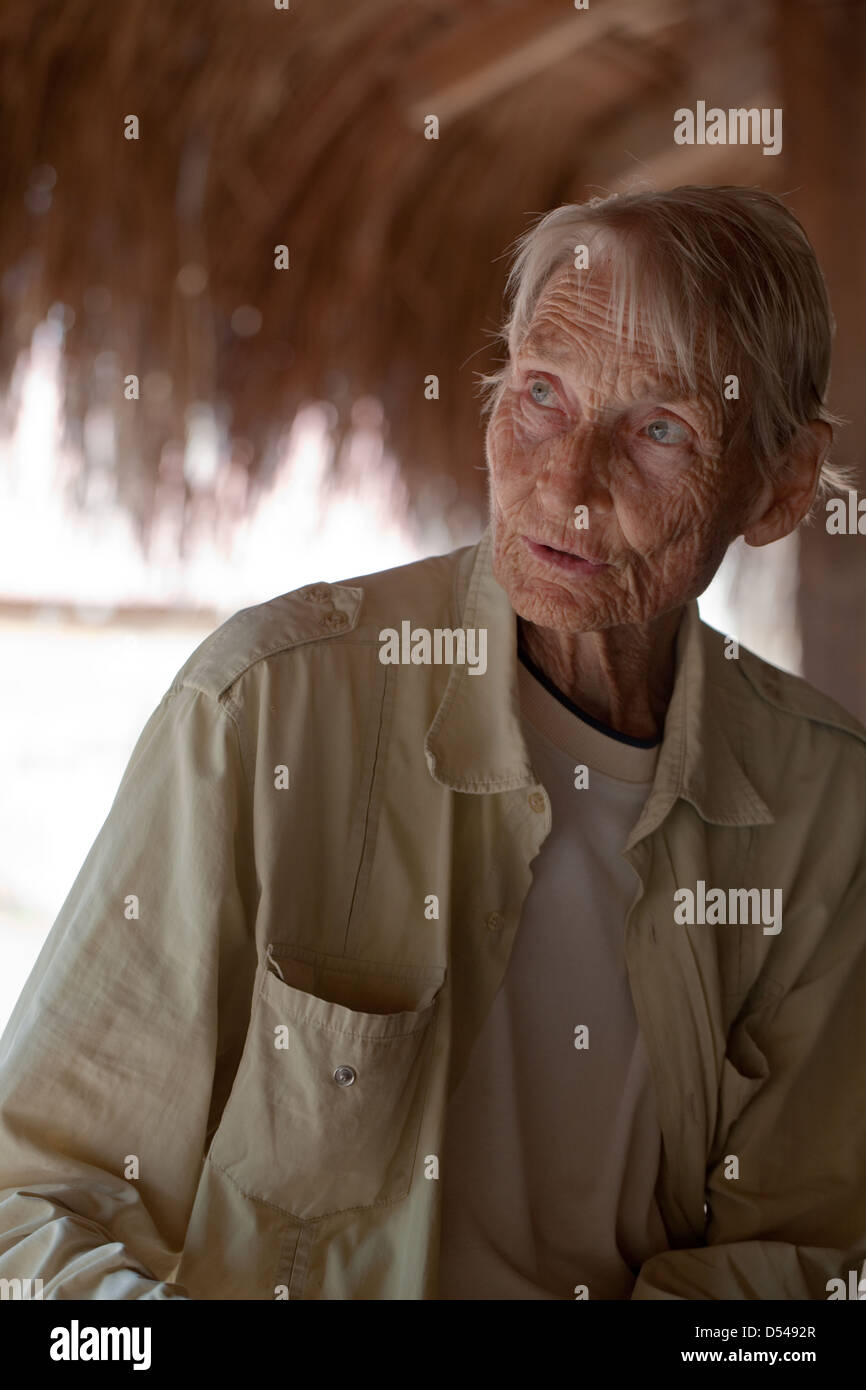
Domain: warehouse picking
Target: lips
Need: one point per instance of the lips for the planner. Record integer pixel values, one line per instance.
(569, 558)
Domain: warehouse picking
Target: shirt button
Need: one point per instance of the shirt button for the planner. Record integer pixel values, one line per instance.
(537, 801)
(316, 593)
(344, 1076)
(494, 921)
(335, 621)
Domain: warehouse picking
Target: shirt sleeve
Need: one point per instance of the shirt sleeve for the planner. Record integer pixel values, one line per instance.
(122, 1045)
(789, 1214)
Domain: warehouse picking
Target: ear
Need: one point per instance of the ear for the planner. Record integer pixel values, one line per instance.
(782, 502)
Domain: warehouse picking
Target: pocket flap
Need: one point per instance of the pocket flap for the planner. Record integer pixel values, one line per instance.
(373, 987)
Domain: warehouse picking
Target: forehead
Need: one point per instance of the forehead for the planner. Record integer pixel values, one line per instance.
(578, 318)
(574, 312)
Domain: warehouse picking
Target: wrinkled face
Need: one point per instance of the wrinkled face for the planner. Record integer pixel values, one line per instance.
(586, 423)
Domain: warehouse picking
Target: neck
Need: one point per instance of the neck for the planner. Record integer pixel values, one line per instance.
(622, 676)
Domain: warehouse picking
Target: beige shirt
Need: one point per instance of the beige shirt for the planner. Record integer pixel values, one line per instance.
(312, 875)
(552, 1142)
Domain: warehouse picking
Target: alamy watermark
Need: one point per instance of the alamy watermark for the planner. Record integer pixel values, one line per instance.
(442, 646)
(856, 1287)
(20, 1289)
(76, 1343)
(846, 516)
(738, 125)
(738, 907)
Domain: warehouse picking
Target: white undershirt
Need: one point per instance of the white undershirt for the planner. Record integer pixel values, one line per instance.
(551, 1152)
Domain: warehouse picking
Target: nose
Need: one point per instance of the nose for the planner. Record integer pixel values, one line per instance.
(575, 471)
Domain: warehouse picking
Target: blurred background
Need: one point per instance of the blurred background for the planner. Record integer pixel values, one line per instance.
(193, 420)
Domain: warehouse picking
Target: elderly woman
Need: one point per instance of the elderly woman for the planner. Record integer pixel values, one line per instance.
(490, 927)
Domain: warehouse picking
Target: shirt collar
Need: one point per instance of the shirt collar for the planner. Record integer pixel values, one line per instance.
(475, 742)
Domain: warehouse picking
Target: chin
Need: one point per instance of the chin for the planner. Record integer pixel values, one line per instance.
(586, 612)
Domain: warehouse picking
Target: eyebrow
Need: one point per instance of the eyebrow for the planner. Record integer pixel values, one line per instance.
(663, 385)
(545, 350)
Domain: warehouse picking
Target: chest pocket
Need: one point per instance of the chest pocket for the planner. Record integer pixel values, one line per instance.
(326, 1107)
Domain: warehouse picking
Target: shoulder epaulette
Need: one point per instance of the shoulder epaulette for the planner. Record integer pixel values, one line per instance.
(315, 613)
(796, 696)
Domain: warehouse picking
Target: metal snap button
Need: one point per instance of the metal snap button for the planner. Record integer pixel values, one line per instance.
(344, 1076)
(335, 621)
(536, 801)
(495, 921)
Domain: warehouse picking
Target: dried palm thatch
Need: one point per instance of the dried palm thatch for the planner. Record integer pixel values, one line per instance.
(304, 127)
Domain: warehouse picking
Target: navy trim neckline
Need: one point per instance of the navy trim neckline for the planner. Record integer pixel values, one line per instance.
(593, 723)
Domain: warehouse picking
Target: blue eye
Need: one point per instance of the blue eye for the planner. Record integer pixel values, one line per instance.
(545, 386)
(665, 431)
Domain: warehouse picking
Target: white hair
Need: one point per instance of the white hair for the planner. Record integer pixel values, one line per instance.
(722, 278)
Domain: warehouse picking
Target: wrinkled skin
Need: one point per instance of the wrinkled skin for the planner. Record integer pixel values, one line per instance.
(595, 427)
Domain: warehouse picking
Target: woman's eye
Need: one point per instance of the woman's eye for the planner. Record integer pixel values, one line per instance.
(540, 391)
(664, 431)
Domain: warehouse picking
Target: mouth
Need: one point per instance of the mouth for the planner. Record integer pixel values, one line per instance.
(564, 559)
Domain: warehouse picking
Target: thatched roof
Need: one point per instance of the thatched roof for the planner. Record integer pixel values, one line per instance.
(261, 127)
